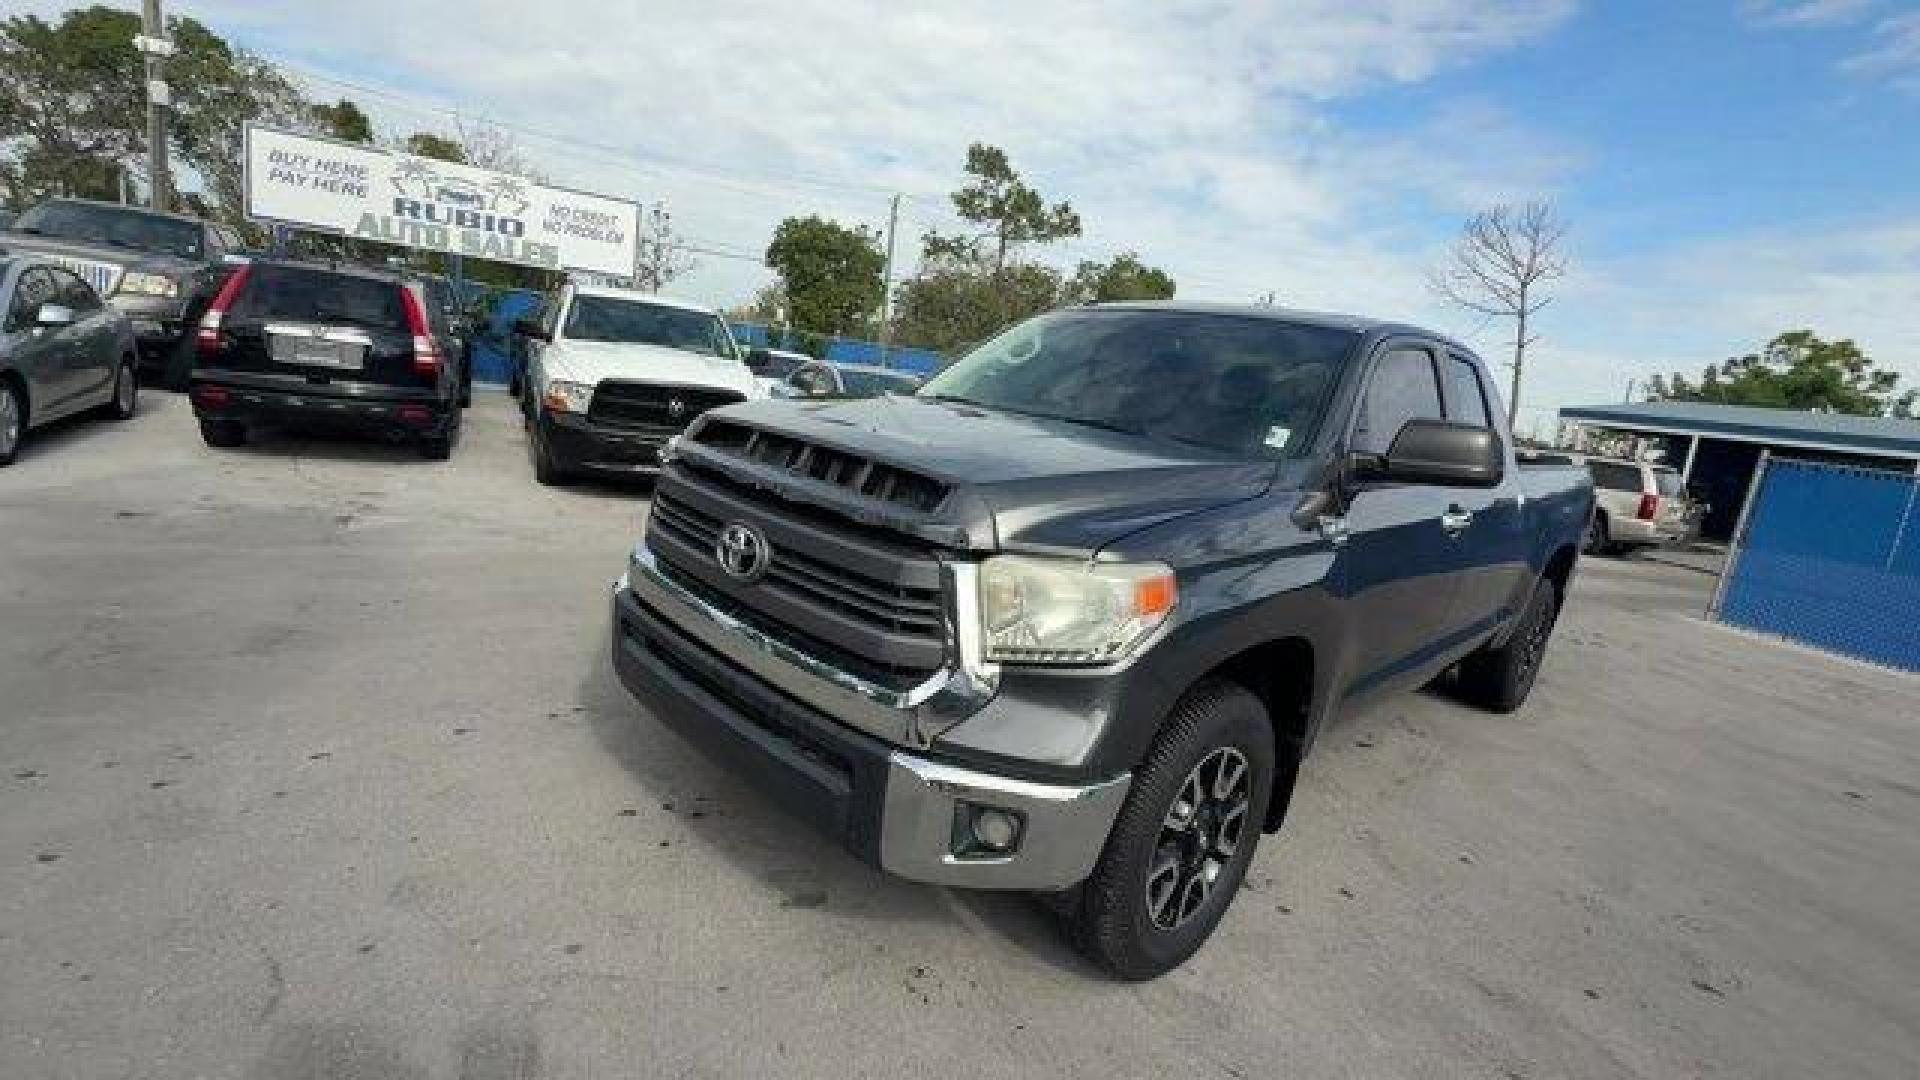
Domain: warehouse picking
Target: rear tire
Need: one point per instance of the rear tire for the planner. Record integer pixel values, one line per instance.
(223, 433)
(126, 392)
(1599, 538)
(1180, 846)
(1499, 680)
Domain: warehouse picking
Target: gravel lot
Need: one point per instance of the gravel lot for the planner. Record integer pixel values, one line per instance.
(314, 767)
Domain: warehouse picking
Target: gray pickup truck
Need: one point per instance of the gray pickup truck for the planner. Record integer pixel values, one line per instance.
(1069, 619)
(161, 270)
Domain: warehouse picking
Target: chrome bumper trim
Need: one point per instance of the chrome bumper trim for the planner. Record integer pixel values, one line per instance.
(910, 717)
(1065, 827)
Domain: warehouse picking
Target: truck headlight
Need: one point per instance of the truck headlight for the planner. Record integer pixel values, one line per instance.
(1059, 611)
(564, 396)
(142, 284)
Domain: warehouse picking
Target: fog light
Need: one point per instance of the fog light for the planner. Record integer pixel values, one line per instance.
(995, 829)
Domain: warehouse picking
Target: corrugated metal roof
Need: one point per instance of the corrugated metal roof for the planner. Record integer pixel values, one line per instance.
(1881, 435)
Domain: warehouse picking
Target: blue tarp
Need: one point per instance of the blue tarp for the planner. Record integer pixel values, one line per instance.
(493, 348)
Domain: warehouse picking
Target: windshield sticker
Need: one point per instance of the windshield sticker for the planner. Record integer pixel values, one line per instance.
(1277, 437)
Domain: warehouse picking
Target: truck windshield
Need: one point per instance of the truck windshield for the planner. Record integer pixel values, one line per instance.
(1241, 385)
(115, 226)
(609, 318)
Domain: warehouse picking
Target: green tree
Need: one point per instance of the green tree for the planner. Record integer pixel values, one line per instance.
(426, 144)
(1010, 213)
(948, 308)
(1125, 278)
(343, 120)
(71, 103)
(831, 274)
(1797, 370)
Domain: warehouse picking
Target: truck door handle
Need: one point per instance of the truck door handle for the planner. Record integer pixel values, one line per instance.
(1456, 520)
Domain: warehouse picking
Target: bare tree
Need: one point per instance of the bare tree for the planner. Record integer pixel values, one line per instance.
(662, 253)
(1500, 267)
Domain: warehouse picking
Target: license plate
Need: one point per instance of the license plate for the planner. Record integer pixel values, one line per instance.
(315, 352)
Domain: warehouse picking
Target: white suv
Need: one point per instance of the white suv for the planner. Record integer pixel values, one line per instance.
(1638, 505)
(613, 374)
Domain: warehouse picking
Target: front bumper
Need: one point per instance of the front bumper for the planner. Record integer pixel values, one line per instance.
(158, 321)
(903, 812)
(578, 444)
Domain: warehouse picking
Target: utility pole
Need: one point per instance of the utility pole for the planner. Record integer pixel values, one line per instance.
(154, 44)
(886, 282)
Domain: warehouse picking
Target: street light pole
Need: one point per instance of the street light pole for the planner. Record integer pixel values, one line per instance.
(154, 44)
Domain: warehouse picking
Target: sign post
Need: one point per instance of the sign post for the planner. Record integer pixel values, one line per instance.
(371, 194)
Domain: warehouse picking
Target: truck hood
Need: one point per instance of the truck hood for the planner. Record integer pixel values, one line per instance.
(591, 362)
(1016, 482)
(125, 258)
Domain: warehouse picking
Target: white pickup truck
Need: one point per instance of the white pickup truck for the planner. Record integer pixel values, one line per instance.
(613, 374)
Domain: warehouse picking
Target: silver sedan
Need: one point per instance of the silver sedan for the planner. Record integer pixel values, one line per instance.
(62, 351)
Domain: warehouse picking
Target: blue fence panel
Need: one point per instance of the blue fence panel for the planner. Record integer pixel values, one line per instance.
(493, 345)
(921, 362)
(1831, 557)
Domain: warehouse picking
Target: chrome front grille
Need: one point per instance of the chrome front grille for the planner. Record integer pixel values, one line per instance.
(103, 276)
(872, 605)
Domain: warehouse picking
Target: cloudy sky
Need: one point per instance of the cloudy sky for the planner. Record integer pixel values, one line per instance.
(1731, 168)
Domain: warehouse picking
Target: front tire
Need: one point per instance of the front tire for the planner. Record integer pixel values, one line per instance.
(177, 370)
(126, 393)
(1499, 680)
(1599, 538)
(13, 421)
(1182, 842)
(547, 469)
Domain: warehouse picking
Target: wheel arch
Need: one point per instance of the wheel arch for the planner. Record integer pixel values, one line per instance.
(1280, 673)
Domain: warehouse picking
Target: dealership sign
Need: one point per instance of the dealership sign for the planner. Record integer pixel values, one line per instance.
(417, 202)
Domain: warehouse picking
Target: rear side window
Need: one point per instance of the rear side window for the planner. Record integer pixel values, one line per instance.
(1614, 476)
(1403, 388)
(301, 294)
(1466, 401)
(1667, 483)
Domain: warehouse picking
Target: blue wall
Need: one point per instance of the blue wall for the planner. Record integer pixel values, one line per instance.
(1832, 559)
(844, 350)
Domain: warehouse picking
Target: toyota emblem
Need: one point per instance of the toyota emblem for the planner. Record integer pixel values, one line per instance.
(676, 407)
(742, 552)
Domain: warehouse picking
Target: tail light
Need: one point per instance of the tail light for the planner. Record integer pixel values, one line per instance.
(207, 338)
(426, 354)
(1649, 507)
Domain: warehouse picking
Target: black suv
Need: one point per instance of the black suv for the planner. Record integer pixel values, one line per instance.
(329, 346)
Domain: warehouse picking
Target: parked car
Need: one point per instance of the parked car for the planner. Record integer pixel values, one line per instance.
(62, 351)
(161, 269)
(772, 368)
(327, 346)
(614, 374)
(1638, 505)
(1068, 619)
(818, 378)
(448, 313)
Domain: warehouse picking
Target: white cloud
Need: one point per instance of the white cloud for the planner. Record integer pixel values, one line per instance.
(1894, 55)
(1806, 12)
(1193, 132)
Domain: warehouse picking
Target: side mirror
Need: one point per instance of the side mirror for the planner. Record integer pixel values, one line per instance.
(1438, 453)
(758, 360)
(53, 315)
(531, 328)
